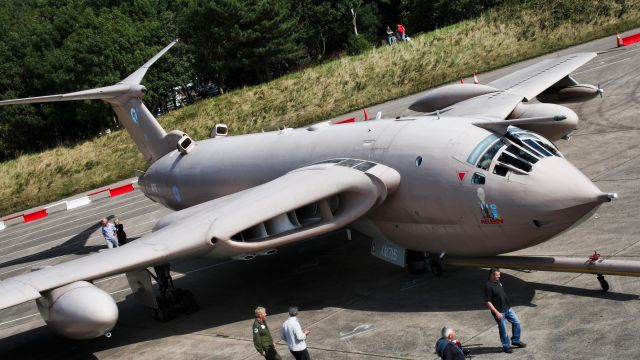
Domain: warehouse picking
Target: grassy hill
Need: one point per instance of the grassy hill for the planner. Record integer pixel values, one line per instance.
(496, 38)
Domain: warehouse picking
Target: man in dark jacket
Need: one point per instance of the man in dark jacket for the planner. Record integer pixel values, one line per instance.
(498, 303)
(448, 347)
(262, 339)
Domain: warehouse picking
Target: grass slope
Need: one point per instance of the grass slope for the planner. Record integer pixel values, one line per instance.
(496, 38)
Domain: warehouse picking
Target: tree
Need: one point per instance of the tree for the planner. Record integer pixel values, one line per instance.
(429, 15)
(241, 42)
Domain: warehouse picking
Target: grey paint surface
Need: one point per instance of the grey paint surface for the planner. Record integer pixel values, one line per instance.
(567, 150)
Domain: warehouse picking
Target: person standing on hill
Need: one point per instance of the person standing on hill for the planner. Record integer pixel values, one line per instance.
(391, 39)
(402, 35)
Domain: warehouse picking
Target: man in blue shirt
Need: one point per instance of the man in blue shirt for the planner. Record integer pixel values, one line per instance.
(295, 337)
(109, 233)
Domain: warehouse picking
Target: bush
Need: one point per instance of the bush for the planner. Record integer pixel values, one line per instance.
(357, 44)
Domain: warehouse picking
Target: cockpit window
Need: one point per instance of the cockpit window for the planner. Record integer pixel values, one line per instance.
(349, 162)
(518, 151)
(532, 141)
(500, 170)
(480, 148)
(478, 179)
(505, 158)
(537, 147)
(485, 160)
(521, 153)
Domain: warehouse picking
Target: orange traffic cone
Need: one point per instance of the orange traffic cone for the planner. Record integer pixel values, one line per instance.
(461, 81)
(366, 114)
(619, 40)
(475, 79)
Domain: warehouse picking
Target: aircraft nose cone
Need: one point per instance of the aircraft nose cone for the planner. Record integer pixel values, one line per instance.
(564, 193)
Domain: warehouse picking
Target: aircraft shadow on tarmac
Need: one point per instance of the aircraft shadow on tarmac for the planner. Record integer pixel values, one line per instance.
(75, 245)
(321, 273)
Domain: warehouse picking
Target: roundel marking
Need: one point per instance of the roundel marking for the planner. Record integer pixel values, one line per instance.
(134, 116)
(176, 193)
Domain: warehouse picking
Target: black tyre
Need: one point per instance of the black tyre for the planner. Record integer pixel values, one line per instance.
(416, 267)
(189, 304)
(165, 309)
(436, 268)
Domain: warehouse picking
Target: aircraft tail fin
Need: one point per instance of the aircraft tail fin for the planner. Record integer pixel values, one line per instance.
(125, 99)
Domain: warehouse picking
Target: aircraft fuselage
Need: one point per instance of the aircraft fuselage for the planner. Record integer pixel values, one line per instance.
(437, 207)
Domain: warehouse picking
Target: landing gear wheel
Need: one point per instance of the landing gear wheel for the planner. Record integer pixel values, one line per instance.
(603, 283)
(171, 299)
(416, 267)
(165, 311)
(185, 301)
(436, 267)
(189, 304)
(416, 262)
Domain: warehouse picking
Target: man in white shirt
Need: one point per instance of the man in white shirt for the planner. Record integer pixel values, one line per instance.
(293, 334)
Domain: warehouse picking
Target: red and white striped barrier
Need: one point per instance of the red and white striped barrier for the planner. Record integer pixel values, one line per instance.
(626, 41)
(67, 205)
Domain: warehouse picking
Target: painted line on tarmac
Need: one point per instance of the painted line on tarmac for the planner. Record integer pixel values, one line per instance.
(69, 214)
(31, 265)
(61, 223)
(176, 276)
(45, 225)
(67, 230)
(601, 66)
(52, 223)
(603, 59)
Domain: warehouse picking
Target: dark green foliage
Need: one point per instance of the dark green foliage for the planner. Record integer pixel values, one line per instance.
(238, 42)
(424, 15)
(357, 45)
(56, 46)
(63, 46)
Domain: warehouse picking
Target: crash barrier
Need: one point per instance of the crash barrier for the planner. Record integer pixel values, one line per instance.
(67, 205)
(631, 39)
(625, 41)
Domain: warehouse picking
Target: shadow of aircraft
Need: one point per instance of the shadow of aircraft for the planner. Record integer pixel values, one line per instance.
(316, 274)
(77, 245)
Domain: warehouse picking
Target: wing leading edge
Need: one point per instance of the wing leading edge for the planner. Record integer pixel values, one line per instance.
(522, 85)
(211, 228)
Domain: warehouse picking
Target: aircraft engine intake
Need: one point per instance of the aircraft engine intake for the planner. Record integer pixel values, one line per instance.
(309, 212)
(442, 97)
(551, 130)
(79, 310)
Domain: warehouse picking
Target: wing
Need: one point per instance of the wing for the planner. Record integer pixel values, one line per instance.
(534, 79)
(521, 85)
(303, 203)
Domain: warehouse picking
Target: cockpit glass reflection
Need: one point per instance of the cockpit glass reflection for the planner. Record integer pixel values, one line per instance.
(518, 151)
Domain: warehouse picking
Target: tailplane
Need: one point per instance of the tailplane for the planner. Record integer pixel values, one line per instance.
(125, 99)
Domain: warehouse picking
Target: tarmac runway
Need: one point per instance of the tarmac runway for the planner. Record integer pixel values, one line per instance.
(359, 307)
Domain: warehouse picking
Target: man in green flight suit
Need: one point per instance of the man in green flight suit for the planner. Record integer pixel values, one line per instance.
(262, 339)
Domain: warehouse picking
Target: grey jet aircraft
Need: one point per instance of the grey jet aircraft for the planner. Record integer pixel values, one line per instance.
(475, 176)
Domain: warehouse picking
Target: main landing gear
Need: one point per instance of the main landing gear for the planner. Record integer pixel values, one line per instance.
(603, 283)
(171, 299)
(421, 262)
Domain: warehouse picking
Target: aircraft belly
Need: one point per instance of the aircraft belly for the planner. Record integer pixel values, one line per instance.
(459, 239)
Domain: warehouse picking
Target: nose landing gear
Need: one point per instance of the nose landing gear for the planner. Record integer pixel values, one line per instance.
(421, 262)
